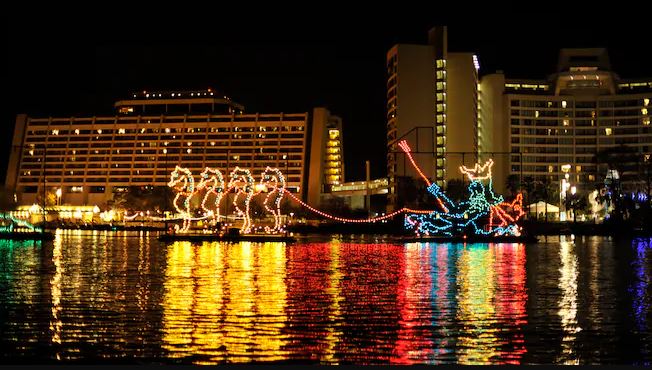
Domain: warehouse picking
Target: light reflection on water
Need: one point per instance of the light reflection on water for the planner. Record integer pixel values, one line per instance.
(105, 297)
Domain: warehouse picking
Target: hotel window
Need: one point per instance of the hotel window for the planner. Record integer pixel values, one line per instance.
(607, 131)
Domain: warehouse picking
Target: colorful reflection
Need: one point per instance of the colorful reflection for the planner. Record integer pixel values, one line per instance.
(225, 302)
(642, 270)
(414, 344)
(568, 302)
(511, 301)
(370, 308)
(315, 302)
(476, 343)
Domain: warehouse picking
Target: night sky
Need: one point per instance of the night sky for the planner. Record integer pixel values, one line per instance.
(274, 63)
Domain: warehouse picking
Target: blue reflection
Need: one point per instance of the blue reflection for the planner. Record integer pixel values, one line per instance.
(641, 302)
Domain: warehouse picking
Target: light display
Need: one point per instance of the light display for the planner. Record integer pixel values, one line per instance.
(466, 216)
(212, 181)
(182, 181)
(15, 224)
(243, 182)
(274, 179)
(454, 219)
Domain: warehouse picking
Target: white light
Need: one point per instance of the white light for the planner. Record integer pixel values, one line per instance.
(573, 190)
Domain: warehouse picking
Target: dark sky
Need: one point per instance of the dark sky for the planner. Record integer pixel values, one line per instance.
(279, 62)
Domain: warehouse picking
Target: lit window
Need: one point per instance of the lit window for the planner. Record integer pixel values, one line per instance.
(31, 152)
(563, 103)
(550, 168)
(607, 131)
(646, 121)
(536, 114)
(55, 132)
(591, 178)
(77, 132)
(189, 150)
(212, 143)
(644, 111)
(578, 168)
(167, 130)
(165, 151)
(99, 131)
(121, 131)
(566, 122)
(646, 102)
(189, 143)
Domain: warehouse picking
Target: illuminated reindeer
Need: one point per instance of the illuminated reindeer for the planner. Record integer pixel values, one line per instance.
(182, 181)
(242, 180)
(274, 181)
(213, 182)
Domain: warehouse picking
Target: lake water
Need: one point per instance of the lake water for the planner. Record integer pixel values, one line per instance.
(116, 297)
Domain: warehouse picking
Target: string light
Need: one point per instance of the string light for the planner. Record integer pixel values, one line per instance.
(213, 182)
(15, 221)
(406, 148)
(243, 182)
(182, 181)
(465, 215)
(272, 177)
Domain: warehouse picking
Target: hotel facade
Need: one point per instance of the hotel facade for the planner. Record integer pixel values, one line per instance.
(432, 103)
(562, 126)
(568, 123)
(86, 160)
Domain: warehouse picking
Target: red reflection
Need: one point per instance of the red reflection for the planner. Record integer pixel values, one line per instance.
(414, 296)
(511, 298)
(308, 304)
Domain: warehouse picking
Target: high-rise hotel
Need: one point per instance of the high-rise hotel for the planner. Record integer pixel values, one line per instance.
(565, 124)
(544, 129)
(431, 103)
(88, 159)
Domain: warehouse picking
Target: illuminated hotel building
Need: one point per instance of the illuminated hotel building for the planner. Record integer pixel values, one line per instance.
(91, 158)
(432, 102)
(559, 125)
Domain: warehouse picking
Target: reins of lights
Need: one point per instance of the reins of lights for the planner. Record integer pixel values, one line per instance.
(354, 220)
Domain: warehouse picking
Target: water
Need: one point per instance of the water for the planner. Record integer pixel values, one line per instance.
(113, 297)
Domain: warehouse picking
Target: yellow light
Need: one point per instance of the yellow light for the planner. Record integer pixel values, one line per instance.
(607, 131)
